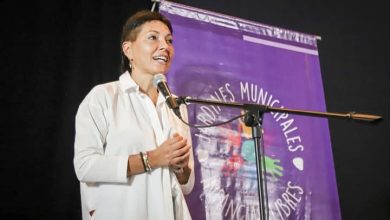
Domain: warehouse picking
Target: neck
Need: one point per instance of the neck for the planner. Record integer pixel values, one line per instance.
(144, 81)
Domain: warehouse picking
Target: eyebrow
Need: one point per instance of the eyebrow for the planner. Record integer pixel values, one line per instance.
(154, 31)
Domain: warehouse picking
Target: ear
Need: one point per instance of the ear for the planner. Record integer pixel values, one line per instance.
(127, 50)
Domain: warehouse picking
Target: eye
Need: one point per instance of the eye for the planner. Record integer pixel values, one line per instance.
(152, 37)
(170, 41)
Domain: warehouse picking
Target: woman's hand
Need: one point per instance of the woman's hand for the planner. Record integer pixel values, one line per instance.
(182, 157)
(174, 152)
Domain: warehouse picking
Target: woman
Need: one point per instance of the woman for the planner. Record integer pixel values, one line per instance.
(129, 145)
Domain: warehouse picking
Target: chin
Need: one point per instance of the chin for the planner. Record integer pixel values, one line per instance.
(163, 71)
(163, 68)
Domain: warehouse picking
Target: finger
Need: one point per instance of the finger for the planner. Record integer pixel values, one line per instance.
(179, 145)
(182, 151)
(175, 163)
(177, 138)
(181, 159)
(176, 166)
(175, 134)
(184, 159)
(181, 140)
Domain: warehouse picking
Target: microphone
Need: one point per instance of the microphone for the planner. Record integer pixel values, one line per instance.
(160, 82)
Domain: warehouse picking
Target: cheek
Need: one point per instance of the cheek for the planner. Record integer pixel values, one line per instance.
(142, 53)
(172, 52)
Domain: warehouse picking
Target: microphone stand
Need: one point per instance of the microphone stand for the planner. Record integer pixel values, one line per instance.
(254, 118)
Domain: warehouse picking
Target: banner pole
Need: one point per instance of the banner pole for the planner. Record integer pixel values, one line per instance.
(154, 4)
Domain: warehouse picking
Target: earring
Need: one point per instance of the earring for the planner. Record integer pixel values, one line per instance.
(131, 66)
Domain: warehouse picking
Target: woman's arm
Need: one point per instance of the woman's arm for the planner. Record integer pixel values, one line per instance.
(90, 163)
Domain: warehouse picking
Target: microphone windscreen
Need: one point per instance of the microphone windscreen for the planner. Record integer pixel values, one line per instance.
(158, 78)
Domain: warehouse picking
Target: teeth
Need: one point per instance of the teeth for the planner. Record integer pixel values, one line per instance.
(163, 58)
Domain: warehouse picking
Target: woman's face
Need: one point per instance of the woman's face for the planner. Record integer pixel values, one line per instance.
(152, 51)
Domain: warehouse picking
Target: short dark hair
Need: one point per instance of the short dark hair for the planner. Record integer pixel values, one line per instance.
(131, 29)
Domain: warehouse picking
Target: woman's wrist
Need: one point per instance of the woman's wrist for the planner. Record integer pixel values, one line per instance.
(153, 158)
(145, 161)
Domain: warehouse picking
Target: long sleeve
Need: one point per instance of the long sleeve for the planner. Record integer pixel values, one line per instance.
(90, 162)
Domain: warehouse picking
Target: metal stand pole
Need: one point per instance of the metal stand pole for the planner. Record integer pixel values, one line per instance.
(254, 119)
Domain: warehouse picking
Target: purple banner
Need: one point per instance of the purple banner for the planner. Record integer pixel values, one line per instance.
(228, 59)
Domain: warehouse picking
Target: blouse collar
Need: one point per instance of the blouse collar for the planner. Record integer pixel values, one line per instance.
(127, 84)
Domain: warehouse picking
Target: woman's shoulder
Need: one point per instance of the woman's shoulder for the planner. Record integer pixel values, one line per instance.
(107, 88)
(101, 94)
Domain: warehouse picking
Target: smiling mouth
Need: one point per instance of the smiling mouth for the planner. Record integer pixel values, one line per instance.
(162, 58)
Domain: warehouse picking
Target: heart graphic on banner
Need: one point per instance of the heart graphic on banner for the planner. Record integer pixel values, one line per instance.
(298, 163)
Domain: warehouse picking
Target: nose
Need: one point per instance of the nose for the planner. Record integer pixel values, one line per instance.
(163, 45)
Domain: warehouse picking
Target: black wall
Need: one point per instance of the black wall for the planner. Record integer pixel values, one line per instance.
(53, 52)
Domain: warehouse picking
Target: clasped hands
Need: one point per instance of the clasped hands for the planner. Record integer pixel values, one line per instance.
(174, 152)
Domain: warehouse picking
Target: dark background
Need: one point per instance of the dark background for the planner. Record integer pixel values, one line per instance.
(53, 52)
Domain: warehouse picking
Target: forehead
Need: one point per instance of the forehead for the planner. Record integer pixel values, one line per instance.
(156, 26)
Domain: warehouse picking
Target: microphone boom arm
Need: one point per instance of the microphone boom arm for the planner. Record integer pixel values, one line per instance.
(265, 108)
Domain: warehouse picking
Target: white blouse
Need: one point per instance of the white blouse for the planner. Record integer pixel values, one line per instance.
(116, 120)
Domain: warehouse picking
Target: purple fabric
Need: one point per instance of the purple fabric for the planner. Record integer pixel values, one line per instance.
(229, 59)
